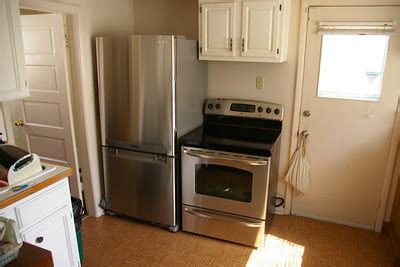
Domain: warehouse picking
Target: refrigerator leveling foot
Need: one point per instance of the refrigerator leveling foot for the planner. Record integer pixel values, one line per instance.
(173, 228)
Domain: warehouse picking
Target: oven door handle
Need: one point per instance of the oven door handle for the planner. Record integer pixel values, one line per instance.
(207, 156)
(225, 218)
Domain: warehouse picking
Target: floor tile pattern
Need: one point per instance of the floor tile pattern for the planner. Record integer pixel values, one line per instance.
(292, 241)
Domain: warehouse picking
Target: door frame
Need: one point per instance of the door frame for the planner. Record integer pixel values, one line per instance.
(304, 9)
(87, 164)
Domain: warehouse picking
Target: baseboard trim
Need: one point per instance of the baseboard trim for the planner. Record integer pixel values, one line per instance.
(393, 247)
(356, 225)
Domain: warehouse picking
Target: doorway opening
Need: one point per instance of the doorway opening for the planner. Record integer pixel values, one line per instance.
(52, 115)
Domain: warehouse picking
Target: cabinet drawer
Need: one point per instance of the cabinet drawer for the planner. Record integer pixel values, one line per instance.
(224, 226)
(42, 205)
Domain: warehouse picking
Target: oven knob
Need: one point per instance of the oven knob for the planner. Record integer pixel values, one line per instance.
(260, 109)
(210, 106)
(217, 106)
(277, 111)
(268, 110)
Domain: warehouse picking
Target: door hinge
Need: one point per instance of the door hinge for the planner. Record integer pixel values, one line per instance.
(201, 50)
(280, 7)
(277, 51)
(201, 9)
(26, 83)
(66, 38)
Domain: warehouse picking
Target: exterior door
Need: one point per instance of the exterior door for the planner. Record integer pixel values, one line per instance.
(217, 20)
(44, 120)
(260, 25)
(349, 102)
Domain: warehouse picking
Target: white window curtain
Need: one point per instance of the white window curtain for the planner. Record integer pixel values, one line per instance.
(352, 28)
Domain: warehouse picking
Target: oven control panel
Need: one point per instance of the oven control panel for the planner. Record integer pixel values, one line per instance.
(244, 108)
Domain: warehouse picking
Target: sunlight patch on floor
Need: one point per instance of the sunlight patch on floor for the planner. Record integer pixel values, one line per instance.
(277, 252)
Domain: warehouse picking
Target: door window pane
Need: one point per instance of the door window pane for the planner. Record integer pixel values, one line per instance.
(352, 66)
(224, 182)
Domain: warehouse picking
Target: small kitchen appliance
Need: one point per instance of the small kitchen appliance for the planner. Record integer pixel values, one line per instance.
(230, 170)
(26, 166)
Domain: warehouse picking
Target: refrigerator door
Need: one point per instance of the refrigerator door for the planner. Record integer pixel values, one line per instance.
(140, 185)
(139, 113)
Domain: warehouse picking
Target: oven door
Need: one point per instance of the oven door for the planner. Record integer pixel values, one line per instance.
(223, 181)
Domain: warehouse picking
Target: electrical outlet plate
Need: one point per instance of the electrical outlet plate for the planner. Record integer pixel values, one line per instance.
(260, 82)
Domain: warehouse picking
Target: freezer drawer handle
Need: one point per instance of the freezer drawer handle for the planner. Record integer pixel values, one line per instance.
(131, 155)
(199, 154)
(160, 158)
(198, 213)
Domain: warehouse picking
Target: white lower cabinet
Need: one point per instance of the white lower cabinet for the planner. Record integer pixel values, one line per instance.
(54, 234)
(45, 219)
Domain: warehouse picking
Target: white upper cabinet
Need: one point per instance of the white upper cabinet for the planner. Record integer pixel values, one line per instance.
(12, 63)
(260, 29)
(218, 31)
(250, 31)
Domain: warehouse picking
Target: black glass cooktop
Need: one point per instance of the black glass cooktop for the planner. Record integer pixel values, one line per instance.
(260, 142)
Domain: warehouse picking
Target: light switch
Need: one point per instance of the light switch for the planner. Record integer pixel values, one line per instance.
(260, 82)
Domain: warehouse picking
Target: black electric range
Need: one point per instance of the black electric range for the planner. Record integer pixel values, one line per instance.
(229, 170)
(255, 132)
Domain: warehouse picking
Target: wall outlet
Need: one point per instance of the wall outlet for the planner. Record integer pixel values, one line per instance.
(260, 82)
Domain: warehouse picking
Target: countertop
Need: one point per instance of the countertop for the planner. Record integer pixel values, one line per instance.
(51, 174)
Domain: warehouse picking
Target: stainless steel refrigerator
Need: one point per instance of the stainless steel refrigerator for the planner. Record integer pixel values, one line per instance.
(151, 91)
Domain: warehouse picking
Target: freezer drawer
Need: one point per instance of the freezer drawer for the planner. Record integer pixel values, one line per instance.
(140, 185)
(225, 226)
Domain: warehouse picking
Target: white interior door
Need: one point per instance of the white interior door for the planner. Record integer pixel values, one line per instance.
(350, 87)
(218, 29)
(47, 128)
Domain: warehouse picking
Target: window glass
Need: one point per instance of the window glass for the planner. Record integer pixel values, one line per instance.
(352, 66)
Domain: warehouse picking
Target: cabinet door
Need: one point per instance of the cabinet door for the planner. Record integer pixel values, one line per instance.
(56, 234)
(260, 29)
(217, 34)
(12, 63)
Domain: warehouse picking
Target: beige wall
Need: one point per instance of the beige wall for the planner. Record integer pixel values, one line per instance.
(177, 17)
(238, 80)
(230, 79)
(98, 17)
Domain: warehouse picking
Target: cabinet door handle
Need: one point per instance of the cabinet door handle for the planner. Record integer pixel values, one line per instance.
(39, 239)
(242, 44)
(231, 44)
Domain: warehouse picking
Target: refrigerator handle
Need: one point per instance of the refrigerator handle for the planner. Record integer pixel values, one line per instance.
(138, 156)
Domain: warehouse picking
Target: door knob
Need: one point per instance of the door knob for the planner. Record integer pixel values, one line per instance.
(19, 123)
(306, 113)
(305, 133)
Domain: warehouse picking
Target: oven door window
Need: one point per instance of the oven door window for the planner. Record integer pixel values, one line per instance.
(223, 182)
